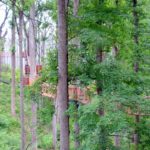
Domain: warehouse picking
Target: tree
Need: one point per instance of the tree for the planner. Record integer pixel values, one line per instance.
(2, 38)
(75, 8)
(103, 46)
(13, 61)
(32, 43)
(62, 89)
(22, 116)
(32, 58)
(136, 62)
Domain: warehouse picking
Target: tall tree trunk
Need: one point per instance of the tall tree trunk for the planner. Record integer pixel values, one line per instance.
(32, 59)
(76, 127)
(43, 49)
(34, 125)
(116, 51)
(62, 89)
(136, 37)
(117, 2)
(13, 63)
(136, 63)
(99, 59)
(116, 137)
(21, 82)
(101, 112)
(1, 50)
(39, 45)
(54, 130)
(136, 136)
(54, 126)
(75, 7)
(117, 140)
(32, 44)
(0, 65)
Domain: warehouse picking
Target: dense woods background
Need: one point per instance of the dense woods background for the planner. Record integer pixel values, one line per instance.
(75, 74)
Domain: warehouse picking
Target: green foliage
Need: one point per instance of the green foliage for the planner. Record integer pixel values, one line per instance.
(1, 44)
(49, 73)
(27, 4)
(46, 142)
(13, 50)
(46, 112)
(35, 90)
(100, 25)
(103, 25)
(9, 126)
(143, 130)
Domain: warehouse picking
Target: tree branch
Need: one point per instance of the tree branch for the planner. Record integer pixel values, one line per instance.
(6, 15)
(4, 35)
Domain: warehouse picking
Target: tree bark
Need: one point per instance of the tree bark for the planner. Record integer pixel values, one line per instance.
(136, 136)
(76, 128)
(75, 7)
(136, 63)
(62, 90)
(99, 59)
(13, 63)
(32, 44)
(117, 2)
(136, 37)
(55, 122)
(0, 65)
(32, 60)
(2, 37)
(54, 130)
(115, 51)
(43, 48)
(34, 125)
(117, 140)
(21, 82)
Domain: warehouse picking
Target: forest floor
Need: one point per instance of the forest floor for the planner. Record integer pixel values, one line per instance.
(10, 126)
